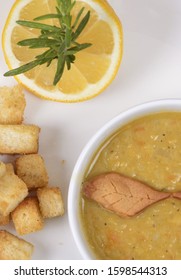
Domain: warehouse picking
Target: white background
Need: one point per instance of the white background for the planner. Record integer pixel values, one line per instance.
(150, 70)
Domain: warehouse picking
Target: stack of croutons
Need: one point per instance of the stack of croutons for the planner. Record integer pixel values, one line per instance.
(24, 192)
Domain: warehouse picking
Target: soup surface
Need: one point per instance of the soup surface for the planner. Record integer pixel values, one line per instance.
(147, 149)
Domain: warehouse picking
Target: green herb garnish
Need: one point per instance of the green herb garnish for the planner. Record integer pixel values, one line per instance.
(61, 41)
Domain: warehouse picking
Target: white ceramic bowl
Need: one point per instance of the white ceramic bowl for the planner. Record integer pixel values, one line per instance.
(87, 154)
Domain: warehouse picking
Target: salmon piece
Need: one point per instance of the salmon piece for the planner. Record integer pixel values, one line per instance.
(177, 195)
(121, 195)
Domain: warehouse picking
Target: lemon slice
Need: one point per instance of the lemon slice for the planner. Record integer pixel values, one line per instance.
(94, 68)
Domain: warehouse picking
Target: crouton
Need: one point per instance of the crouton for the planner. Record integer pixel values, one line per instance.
(120, 194)
(10, 167)
(14, 248)
(19, 139)
(50, 201)
(2, 169)
(12, 191)
(4, 220)
(12, 105)
(32, 170)
(27, 217)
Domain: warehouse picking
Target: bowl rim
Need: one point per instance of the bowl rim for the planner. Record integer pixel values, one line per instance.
(89, 150)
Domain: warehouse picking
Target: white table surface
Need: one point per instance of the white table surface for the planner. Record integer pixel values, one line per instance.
(150, 70)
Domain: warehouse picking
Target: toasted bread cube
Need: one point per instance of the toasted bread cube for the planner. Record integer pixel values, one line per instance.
(10, 168)
(27, 217)
(32, 170)
(14, 248)
(12, 191)
(19, 139)
(50, 201)
(12, 105)
(2, 169)
(4, 220)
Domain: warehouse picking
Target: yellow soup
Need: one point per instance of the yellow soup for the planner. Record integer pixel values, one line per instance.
(147, 149)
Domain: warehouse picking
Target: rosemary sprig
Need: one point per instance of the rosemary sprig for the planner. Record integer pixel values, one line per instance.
(61, 40)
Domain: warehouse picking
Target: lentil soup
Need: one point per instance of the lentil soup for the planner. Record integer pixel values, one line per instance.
(147, 149)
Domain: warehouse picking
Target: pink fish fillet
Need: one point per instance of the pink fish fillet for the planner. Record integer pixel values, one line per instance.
(120, 194)
(177, 195)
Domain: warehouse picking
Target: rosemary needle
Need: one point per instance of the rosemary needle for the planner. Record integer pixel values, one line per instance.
(61, 40)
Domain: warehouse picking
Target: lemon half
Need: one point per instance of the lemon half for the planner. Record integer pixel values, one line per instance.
(94, 68)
